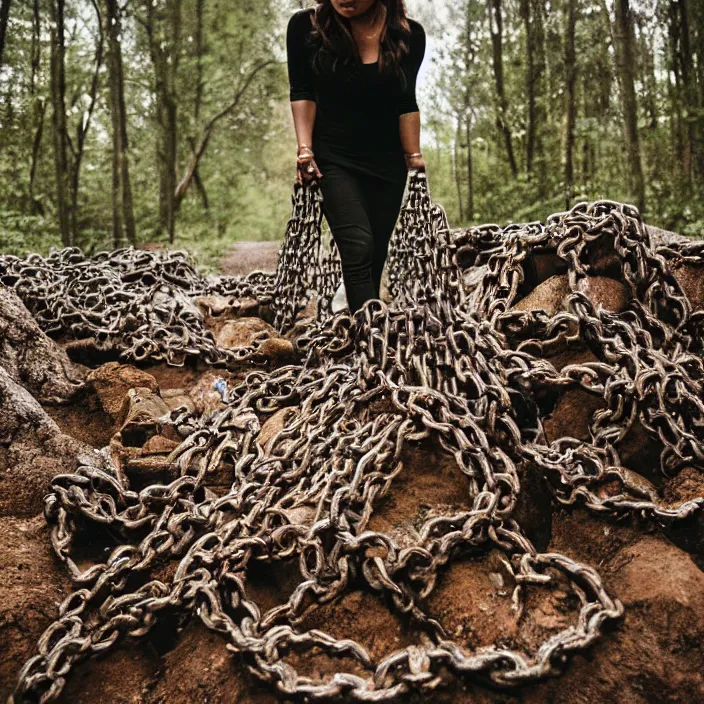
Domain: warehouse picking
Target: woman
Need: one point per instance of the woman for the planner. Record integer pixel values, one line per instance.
(352, 71)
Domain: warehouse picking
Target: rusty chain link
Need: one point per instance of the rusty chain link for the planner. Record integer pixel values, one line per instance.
(447, 360)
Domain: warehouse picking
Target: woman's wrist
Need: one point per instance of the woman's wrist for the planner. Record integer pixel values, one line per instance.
(304, 148)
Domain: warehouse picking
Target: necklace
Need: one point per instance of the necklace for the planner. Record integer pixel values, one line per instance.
(376, 31)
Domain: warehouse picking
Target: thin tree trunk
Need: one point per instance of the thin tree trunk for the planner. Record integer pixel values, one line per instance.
(496, 28)
(4, 20)
(648, 77)
(38, 108)
(123, 210)
(674, 91)
(689, 60)
(200, 87)
(625, 69)
(470, 167)
(570, 107)
(165, 58)
(58, 93)
(84, 124)
(530, 82)
(456, 167)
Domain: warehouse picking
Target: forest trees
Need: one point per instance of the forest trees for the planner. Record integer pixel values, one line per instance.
(142, 121)
(572, 100)
(139, 94)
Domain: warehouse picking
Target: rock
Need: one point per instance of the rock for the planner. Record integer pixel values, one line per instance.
(547, 296)
(205, 397)
(32, 586)
(219, 310)
(247, 332)
(274, 424)
(654, 655)
(551, 294)
(243, 332)
(364, 617)
(687, 533)
(33, 450)
(611, 294)
(691, 281)
(177, 398)
(572, 415)
(534, 509)
(276, 347)
(125, 676)
(213, 305)
(113, 380)
(159, 445)
(430, 478)
(472, 601)
(32, 359)
(85, 418)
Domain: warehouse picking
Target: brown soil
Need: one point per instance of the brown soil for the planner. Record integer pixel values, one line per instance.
(245, 257)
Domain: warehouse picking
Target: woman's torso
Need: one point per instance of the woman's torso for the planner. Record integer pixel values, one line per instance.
(357, 117)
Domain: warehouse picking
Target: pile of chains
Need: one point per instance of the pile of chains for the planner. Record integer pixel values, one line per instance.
(447, 361)
(141, 303)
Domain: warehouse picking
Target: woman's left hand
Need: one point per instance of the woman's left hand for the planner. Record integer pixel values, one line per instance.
(415, 162)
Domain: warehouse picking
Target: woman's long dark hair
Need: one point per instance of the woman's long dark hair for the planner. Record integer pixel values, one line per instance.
(333, 37)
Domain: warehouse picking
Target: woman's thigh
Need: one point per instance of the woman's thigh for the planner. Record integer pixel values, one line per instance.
(345, 206)
(384, 200)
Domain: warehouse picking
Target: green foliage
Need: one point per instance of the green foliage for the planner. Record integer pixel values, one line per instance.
(20, 234)
(247, 169)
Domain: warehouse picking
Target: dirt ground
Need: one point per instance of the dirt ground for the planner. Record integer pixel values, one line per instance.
(244, 257)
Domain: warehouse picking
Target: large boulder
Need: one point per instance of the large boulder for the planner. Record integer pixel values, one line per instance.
(551, 295)
(113, 380)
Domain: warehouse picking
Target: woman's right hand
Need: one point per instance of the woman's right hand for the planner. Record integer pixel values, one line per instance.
(306, 168)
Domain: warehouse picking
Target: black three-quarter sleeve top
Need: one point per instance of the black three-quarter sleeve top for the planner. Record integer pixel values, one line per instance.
(358, 106)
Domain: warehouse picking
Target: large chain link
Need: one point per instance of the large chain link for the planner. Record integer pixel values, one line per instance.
(447, 360)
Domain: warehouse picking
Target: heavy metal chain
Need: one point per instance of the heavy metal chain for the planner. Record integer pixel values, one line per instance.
(448, 360)
(141, 303)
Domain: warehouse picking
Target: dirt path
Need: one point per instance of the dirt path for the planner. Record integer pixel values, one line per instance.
(244, 257)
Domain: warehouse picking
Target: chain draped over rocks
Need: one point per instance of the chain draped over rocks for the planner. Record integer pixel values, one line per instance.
(142, 302)
(448, 359)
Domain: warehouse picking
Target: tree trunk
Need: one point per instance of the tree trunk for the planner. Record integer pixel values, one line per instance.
(123, 210)
(84, 124)
(532, 15)
(164, 49)
(198, 152)
(4, 19)
(456, 144)
(625, 70)
(570, 104)
(200, 87)
(692, 95)
(496, 28)
(470, 169)
(34, 370)
(650, 83)
(38, 108)
(58, 93)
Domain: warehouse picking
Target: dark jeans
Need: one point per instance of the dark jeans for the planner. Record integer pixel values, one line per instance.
(361, 212)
